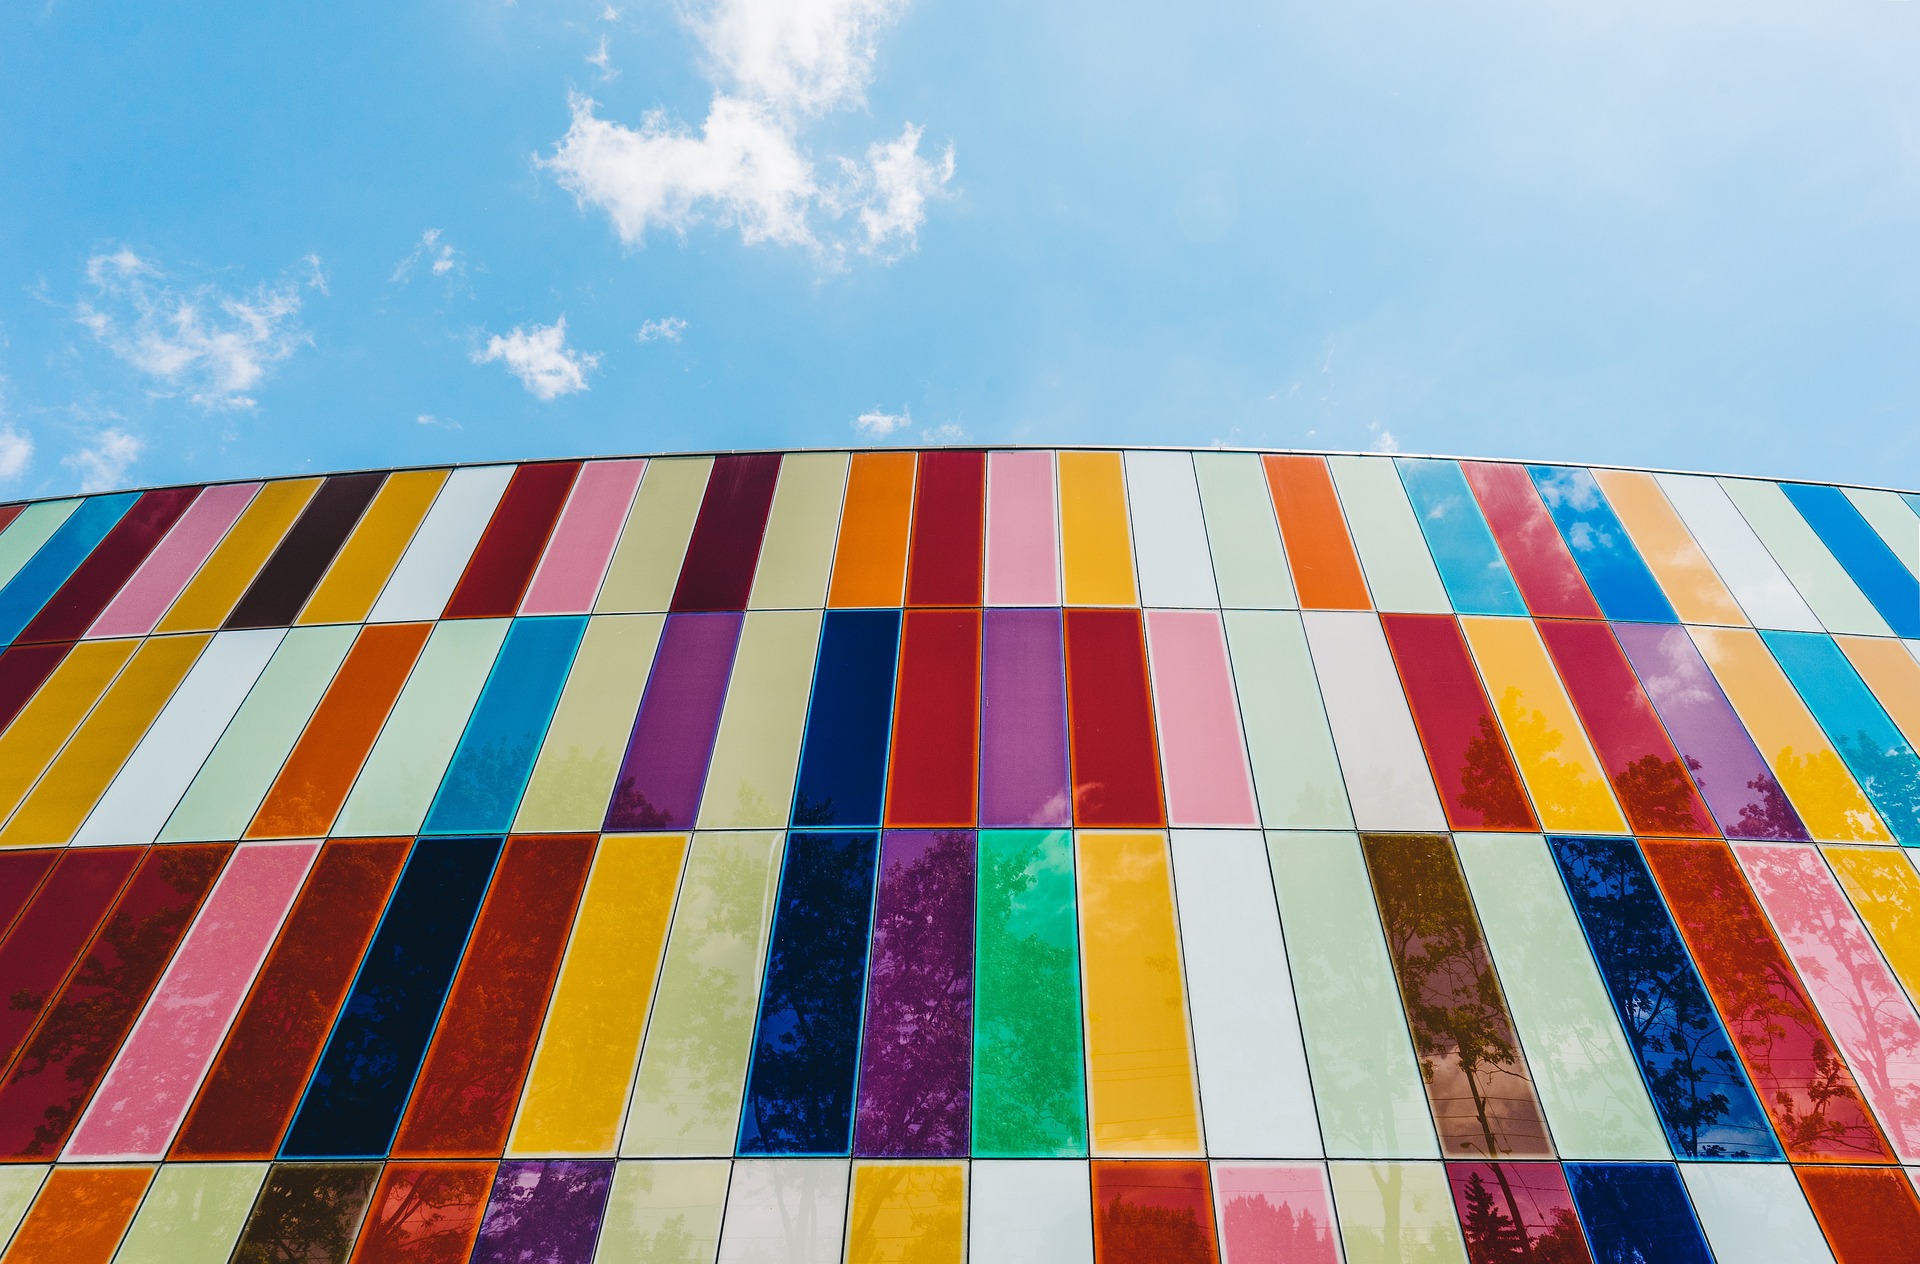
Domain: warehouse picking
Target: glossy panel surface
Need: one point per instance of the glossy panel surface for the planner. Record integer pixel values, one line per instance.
(1386, 774)
(1686, 576)
(665, 769)
(1023, 530)
(573, 777)
(756, 754)
(1169, 531)
(436, 556)
(717, 573)
(1754, 1212)
(1834, 596)
(1469, 757)
(796, 554)
(1887, 582)
(546, 1211)
(1031, 1212)
(1400, 573)
(1023, 719)
(1767, 597)
(908, 1211)
(1615, 573)
(785, 1211)
(1275, 1212)
(1534, 551)
(843, 762)
(646, 563)
(1249, 562)
(1096, 557)
(1637, 1212)
(949, 527)
(1203, 756)
(1153, 1213)
(1110, 716)
(363, 565)
(288, 579)
(501, 566)
(870, 557)
(1396, 1213)
(933, 772)
(582, 543)
(1326, 572)
(1458, 538)
(1296, 772)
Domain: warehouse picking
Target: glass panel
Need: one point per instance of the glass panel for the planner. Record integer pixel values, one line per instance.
(1396, 1213)
(53, 931)
(424, 1213)
(307, 1211)
(1684, 572)
(757, 752)
(1116, 778)
(1886, 891)
(949, 523)
(297, 565)
(1326, 574)
(785, 1211)
(1023, 530)
(1768, 597)
(85, 593)
(870, 557)
(646, 562)
(54, 562)
(1826, 587)
(1869, 1214)
(796, 555)
(1637, 1212)
(1096, 559)
(44, 724)
(1169, 533)
(1153, 1213)
(665, 1211)
(428, 571)
(1516, 1211)
(79, 1216)
(1290, 748)
(1278, 1213)
(1031, 1211)
(544, 1211)
(23, 536)
(843, 765)
(1533, 549)
(1399, 571)
(665, 768)
(1887, 582)
(1755, 1213)
(1600, 545)
(19, 1183)
(1469, 561)
(1894, 676)
(573, 778)
(1892, 521)
(908, 1211)
(194, 1211)
(1203, 756)
(1386, 773)
(934, 771)
(357, 575)
(717, 573)
(23, 669)
(1249, 564)
(1023, 719)
(582, 543)
(497, 574)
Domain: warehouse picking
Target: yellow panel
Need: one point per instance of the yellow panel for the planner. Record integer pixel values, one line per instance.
(224, 577)
(908, 1213)
(1096, 544)
(1808, 767)
(577, 1089)
(1885, 890)
(1569, 789)
(1893, 675)
(1140, 1077)
(1684, 572)
(353, 583)
(44, 724)
(57, 806)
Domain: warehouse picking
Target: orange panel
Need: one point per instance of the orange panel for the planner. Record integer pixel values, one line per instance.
(80, 1216)
(870, 564)
(1325, 571)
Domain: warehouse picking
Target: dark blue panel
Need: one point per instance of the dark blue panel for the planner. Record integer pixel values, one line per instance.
(57, 559)
(1620, 580)
(1475, 574)
(843, 766)
(807, 1043)
(1636, 1213)
(1697, 1084)
(482, 788)
(1888, 584)
(1875, 751)
(353, 1103)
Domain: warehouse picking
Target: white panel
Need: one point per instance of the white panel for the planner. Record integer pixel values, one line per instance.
(1758, 584)
(785, 1211)
(431, 566)
(1030, 1211)
(1246, 1035)
(150, 783)
(1169, 532)
(1804, 556)
(1755, 1213)
(1380, 757)
(1893, 521)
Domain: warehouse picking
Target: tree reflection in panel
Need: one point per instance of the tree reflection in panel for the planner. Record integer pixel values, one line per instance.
(1275, 1214)
(307, 1211)
(1517, 1212)
(1152, 1213)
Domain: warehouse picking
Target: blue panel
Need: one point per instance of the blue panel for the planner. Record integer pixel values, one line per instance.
(806, 1046)
(353, 1103)
(1888, 584)
(57, 559)
(1637, 1213)
(1879, 756)
(1620, 580)
(483, 785)
(843, 766)
(1475, 574)
(1698, 1086)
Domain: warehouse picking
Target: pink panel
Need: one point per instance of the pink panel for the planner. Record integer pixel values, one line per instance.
(152, 1082)
(1274, 1212)
(167, 569)
(1202, 755)
(582, 544)
(1864, 1007)
(1023, 554)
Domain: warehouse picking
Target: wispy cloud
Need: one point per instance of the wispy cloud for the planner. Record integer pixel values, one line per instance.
(440, 258)
(667, 328)
(601, 60)
(103, 463)
(539, 356)
(442, 423)
(876, 424)
(1383, 440)
(949, 432)
(16, 445)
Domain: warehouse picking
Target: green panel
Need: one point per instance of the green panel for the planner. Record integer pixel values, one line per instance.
(229, 787)
(1393, 551)
(1029, 1096)
(797, 554)
(572, 781)
(193, 1212)
(646, 562)
(1242, 534)
(1396, 1213)
(18, 1185)
(664, 1213)
(1366, 1081)
(25, 534)
(1295, 771)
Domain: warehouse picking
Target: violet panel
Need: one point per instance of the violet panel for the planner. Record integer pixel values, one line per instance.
(1023, 720)
(672, 743)
(545, 1211)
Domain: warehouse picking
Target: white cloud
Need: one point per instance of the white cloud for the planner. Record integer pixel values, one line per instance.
(103, 464)
(951, 432)
(16, 451)
(602, 61)
(428, 419)
(889, 194)
(214, 346)
(539, 356)
(802, 56)
(878, 425)
(667, 327)
(441, 258)
(1383, 440)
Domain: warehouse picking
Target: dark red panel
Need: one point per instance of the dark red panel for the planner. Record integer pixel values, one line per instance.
(1645, 770)
(502, 564)
(282, 587)
(1807, 1091)
(1869, 1214)
(74, 1044)
(424, 1213)
(1468, 755)
(949, 529)
(23, 669)
(71, 611)
(20, 875)
(933, 773)
(1116, 761)
(9, 512)
(250, 1095)
(52, 932)
(463, 1103)
(717, 573)
(1153, 1213)
(1532, 545)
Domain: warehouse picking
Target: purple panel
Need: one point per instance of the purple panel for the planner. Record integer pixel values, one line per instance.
(1726, 765)
(916, 1061)
(1023, 721)
(672, 743)
(544, 1212)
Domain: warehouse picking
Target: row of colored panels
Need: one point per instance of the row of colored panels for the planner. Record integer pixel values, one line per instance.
(961, 528)
(802, 1211)
(958, 717)
(938, 994)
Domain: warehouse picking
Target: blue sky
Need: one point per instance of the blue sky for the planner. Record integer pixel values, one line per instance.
(242, 239)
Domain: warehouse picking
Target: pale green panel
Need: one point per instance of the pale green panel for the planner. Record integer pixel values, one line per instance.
(755, 757)
(1595, 1100)
(1393, 551)
(396, 787)
(229, 786)
(25, 534)
(1249, 564)
(1820, 578)
(193, 1213)
(664, 1213)
(1396, 1213)
(572, 780)
(1893, 521)
(1296, 773)
(796, 555)
(693, 1067)
(646, 562)
(1366, 1081)
(18, 1185)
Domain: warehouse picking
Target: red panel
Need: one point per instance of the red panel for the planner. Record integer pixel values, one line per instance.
(250, 1095)
(9, 512)
(949, 529)
(1815, 1106)
(74, 1044)
(1517, 1211)
(72, 610)
(1116, 762)
(717, 573)
(1535, 552)
(1645, 770)
(1468, 755)
(1869, 1214)
(502, 563)
(23, 669)
(1153, 1213)
(424, 1213)
(20, 876)
(463, 1103)
(53, 931)
(933, 772)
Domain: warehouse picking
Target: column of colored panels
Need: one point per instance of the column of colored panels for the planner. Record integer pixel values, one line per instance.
(1243, 536)
(84, 595)
(573, 777)
(43, 725)
(1296, 771)
(1462, 546)
(933, 772)
(1024, 773)
(944, 560)
(1388, 783)
(54, 562)
(1202, 753)
(756, 755)
(1400, 574)
(497, 573)
(442, 545)
(1110, 720)
(1827, 587)
(645, 567)
(1885, 890)
(843, 761)
(1766, 596)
